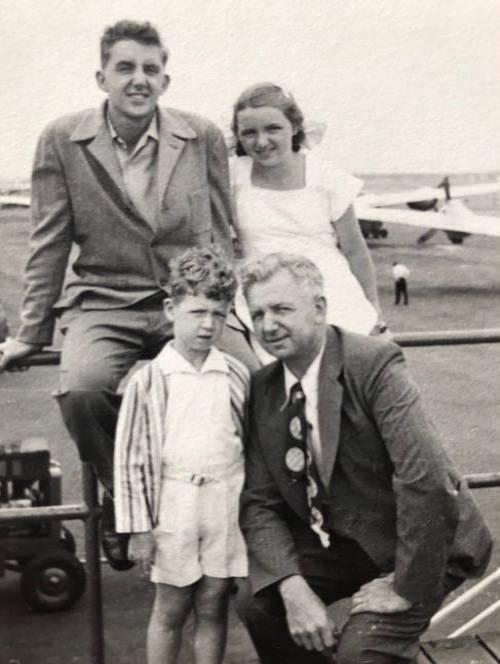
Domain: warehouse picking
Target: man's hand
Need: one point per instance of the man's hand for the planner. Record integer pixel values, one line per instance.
(141, 548)
(379, 596)
(13, 349)
(307, 617)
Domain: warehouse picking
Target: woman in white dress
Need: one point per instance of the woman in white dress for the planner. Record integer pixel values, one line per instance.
(287, 199)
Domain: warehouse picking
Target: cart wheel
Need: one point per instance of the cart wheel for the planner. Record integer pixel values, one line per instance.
(53, 581)
(67, 540)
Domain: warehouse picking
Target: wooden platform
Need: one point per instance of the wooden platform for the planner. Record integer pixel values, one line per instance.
(478, 649)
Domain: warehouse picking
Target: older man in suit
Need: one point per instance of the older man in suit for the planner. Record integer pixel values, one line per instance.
(131, 185)
(348, 490)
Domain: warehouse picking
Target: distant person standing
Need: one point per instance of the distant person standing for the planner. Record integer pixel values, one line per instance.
(400, 274)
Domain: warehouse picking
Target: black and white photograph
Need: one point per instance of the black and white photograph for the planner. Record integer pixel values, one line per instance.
(249, 332)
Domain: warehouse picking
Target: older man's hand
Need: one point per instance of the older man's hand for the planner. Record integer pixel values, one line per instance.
(379, 596)
(308, 621)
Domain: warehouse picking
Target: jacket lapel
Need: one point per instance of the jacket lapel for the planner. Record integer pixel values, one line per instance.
(330, 403)
(275, 428)
(173, 134)
(94, 131)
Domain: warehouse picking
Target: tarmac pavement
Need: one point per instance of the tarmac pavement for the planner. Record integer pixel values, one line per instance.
(27, 637)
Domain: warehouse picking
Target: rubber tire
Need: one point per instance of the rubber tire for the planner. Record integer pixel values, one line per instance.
(67, 540)
(69, 574)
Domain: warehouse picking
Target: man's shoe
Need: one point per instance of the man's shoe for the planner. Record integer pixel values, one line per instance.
(114, 545)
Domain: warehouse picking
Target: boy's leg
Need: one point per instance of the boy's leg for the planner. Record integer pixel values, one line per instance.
(211, 601)
(170, 610)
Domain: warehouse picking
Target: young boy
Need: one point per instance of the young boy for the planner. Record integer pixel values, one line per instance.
(179, 463)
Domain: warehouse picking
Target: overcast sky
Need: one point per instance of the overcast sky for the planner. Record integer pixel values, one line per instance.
(403, 85)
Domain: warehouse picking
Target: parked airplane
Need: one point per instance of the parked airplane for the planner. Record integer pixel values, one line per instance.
(454, 217)
(373, 210)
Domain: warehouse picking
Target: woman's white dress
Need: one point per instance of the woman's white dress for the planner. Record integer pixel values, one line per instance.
(302, 221)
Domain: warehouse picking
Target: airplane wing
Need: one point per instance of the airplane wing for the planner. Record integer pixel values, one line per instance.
(8, 200)
(453, 218)
(427, 194)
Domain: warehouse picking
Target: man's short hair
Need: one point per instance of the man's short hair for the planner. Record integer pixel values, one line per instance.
(202, 271)
(301, 268)
(144, 33)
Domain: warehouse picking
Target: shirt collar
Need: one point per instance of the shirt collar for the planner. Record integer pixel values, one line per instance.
(171, 361)
(150, 132)
(309, 380)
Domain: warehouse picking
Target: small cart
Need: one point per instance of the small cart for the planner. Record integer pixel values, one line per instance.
(44, 552)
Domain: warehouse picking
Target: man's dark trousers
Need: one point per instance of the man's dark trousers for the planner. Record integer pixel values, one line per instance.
(334, 574)
(401, 288)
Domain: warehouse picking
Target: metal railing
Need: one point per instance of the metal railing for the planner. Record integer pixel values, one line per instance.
(474, 481)
(90, 512)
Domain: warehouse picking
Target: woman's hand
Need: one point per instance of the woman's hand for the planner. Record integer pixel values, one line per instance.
(381, 331)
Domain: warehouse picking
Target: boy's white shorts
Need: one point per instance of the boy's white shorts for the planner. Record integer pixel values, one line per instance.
(198, 532)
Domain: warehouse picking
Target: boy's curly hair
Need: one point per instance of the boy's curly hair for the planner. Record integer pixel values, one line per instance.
(202, 271)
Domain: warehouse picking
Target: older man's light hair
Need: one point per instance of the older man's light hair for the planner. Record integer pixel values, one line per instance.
(301, 268)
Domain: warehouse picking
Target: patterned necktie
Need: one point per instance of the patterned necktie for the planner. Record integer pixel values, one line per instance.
(298, 459)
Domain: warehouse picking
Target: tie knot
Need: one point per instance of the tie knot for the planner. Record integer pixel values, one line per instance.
(297, 393)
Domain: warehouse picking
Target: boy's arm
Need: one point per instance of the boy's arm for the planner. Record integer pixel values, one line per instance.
(141, 549)
(131, 508)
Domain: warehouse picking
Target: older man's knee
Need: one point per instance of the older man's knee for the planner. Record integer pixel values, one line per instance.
(351, 650)
(370, 638)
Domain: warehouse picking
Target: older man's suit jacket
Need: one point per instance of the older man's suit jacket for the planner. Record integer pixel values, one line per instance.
(391, 487)
(78, 196)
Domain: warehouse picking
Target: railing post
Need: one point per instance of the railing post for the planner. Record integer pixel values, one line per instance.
(93, 566)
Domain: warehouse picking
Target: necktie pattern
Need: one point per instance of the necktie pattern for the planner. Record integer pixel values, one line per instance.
(299, 461)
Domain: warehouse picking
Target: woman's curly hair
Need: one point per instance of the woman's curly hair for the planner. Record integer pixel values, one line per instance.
(202, 271)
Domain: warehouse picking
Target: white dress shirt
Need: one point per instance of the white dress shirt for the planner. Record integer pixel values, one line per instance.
(139, 169)
(400, 271)
(310, 387)
(200, 432)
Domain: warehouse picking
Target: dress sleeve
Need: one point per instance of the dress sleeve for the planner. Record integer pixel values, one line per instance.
(239, 172)
(342, 188)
